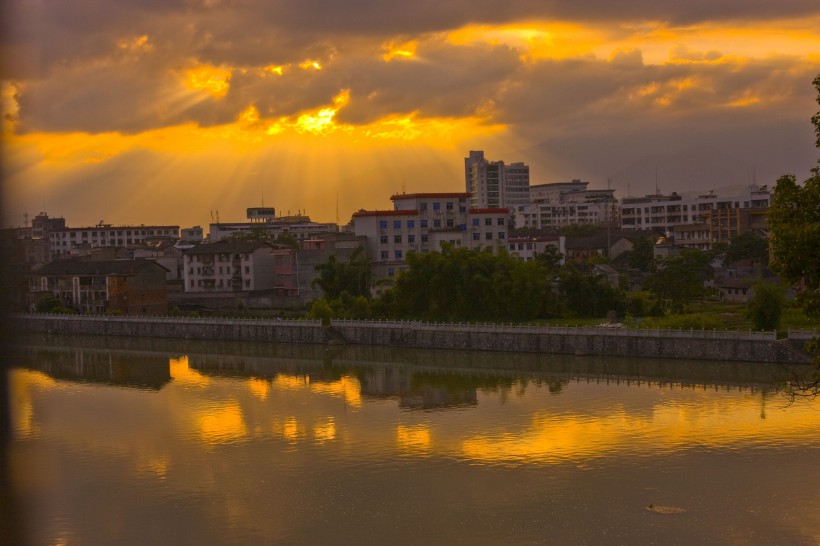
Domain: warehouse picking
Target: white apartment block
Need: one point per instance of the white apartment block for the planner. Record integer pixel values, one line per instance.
(492, 184)
(300, 230)
(527, 248)
(64, 240)
(424, 222)
(228, 266)
(722, 217)
(561, 204)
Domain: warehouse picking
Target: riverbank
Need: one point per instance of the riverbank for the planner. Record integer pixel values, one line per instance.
(600, 341)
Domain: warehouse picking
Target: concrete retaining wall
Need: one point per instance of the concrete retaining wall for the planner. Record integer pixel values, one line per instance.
(692, 344)
(624, 342)
(278, 331)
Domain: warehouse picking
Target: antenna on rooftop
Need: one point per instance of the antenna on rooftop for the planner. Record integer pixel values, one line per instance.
(25, 219)
(337, 208)
(657, 188)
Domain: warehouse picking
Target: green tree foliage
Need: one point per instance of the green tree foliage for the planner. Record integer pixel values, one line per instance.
(351, 277)
(589, 295)
(748, 246)
(259, 233)
(676, 281)
(458, 284)
(766, 307)
(550, 260)
(642, 254)
(794, 224)
(320, 310)
(256, 233)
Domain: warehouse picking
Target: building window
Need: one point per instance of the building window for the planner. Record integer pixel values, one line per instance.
(501, 235)
(489, 235)
(247, 283)
(411, 238)
(383, 239)
(411, 224)
(476, 236)
(423, 207)
(397, 239)
(390, 271)
(396, 224)
(398, 254)
(501, 221)
(424, 224)
(451, 222)
(424, 239)
(488, 221)
(436, 206)
(437, 223)
(475, 221)
(449, 206)
(247, 270)
(382, 224)
(384, 254)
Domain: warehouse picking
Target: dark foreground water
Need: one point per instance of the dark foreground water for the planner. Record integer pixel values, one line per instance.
(158, 442)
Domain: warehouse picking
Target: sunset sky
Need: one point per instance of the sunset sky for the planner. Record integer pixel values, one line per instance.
(164, 111)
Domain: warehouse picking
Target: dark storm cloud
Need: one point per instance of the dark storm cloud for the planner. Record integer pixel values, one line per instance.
(89, 75)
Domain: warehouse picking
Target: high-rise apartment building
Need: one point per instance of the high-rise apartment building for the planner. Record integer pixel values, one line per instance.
(493, 184)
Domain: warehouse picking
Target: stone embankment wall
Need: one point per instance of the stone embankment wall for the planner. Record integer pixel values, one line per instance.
(624, 342)
(279, 331)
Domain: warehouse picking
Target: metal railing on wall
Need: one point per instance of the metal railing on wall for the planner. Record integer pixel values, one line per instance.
(556, 330)
(174, 320)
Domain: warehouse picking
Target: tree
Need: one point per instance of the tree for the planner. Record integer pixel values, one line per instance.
(642, 254)
(766, 307)
(794, 224)
(748, 246)
(676, 281)
(336, 277)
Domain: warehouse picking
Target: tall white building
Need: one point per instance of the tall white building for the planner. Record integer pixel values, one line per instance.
(493, 184)
(422, 222)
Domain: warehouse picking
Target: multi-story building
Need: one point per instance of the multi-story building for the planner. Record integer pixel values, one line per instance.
(130, 287)
(229, 266)
(422, 222)
(295, 268)
(492, 184)
(561, 204)
(722, 217)
(64, 239)
(527, 248)
(264, 218)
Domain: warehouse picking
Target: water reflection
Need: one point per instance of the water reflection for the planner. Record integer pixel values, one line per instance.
(250, 442)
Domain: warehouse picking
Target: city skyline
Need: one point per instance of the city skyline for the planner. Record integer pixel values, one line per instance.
(150, 113)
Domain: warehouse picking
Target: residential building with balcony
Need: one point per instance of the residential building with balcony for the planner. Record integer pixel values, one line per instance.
(129, 287)
(64, 240)
(298, 225)
(718, 218)
(423, 222)
(560, 204)
(527, 248)
(229, 266)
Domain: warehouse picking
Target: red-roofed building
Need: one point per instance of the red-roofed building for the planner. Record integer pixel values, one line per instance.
(421, 222)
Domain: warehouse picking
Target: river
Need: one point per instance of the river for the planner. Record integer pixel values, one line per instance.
(146, 441)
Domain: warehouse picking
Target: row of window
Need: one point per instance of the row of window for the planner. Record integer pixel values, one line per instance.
(423, 223)
(104, 234)
(210, 270)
